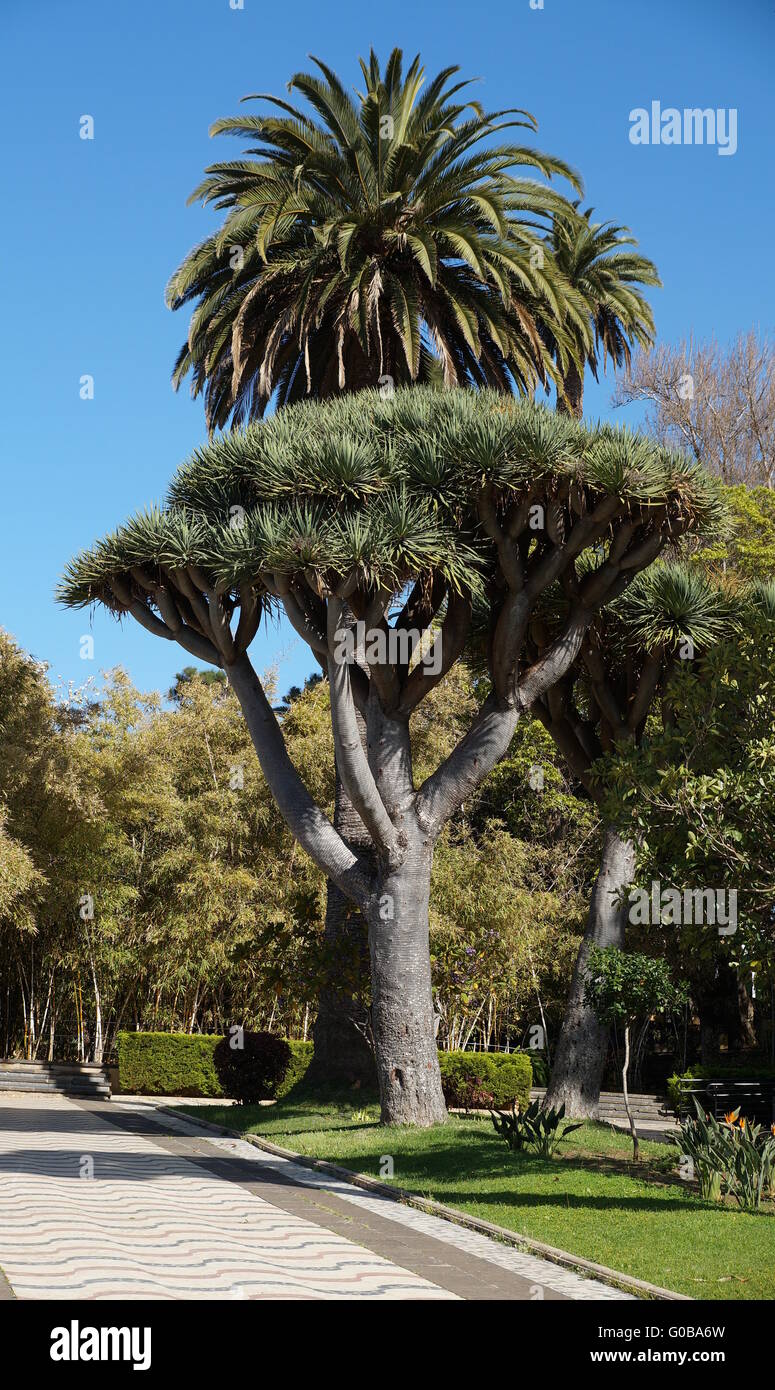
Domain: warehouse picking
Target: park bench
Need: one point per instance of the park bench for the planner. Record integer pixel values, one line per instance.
(755, 1099)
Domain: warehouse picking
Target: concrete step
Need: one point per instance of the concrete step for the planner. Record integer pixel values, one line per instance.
(54, 1068)
(643, 1107)
(23, 1083)
(53, 1083)
(85, 1079)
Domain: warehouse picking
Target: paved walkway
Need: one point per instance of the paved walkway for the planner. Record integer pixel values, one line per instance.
(118, 1200)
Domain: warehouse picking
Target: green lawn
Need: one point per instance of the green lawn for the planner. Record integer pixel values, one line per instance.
(589, 1201)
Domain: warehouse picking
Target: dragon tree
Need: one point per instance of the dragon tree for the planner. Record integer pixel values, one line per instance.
(389, 231)
(597, 714)
(378, 526)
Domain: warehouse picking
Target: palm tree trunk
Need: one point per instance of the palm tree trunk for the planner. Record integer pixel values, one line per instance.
(571, 400)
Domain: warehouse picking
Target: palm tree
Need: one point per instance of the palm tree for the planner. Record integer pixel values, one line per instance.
(593, 259)
(379, 235)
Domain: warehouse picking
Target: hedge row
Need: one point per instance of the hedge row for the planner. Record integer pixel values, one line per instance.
(480, 1080)
(167, 1064)
(182, 1064)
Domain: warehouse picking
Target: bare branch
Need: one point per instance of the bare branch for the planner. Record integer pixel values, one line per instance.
(357, 777)
(305, 820)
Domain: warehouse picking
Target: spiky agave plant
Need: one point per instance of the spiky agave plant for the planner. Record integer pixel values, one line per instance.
(761, 598)
(401, 515)
(605, 275)
(381, 234)
(670, 612)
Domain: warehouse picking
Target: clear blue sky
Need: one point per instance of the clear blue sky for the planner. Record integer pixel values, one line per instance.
(92, 230)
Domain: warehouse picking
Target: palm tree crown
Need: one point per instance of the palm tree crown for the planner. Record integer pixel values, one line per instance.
(381, 234)
(593, 258)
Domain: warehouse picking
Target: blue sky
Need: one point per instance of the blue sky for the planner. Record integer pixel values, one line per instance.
(93, 229)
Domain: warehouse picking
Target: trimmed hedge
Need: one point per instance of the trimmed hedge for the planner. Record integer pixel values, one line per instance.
(168, 1064)
(301, 1056)
(541, 1069)
(479, 1080)
(252, 1071)
(182, 1064)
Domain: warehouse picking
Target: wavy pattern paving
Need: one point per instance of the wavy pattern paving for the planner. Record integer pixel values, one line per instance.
(144, 1224)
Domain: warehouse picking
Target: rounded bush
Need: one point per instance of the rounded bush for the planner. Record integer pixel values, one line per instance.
(480, 1080)
(253, 1071)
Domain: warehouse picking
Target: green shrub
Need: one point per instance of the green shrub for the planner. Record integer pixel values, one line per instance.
(252, 1071)
(182, 1064)
(515, 1126)
(708, 1147)
(732, 1155)
(483, 1080)
(534, 1126)
(301, 1056)
(167, 1064)
(541, 1068)
(752, 1175)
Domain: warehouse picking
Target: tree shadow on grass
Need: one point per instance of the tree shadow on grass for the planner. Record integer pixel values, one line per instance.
(433, 1173)
(302, 1110)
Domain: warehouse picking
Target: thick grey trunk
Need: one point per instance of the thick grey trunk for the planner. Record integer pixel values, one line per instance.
(581, 1051)
(343, 1055)
(402, 1011)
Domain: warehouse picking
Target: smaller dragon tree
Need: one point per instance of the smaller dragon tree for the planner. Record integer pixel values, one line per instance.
(597, 714)
(378, 526)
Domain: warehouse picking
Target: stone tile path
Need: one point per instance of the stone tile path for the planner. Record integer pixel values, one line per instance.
(119, 1200)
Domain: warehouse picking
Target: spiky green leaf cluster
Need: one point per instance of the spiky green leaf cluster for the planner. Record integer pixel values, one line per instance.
(670, 603)
(383, 490)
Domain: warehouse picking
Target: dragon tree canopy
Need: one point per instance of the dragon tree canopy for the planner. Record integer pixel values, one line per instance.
(450, 496)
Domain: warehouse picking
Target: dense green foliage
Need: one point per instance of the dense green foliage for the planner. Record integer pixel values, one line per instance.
(747, 544)
(733, 1156)
(596, 259)
(205, 916)
(381, 492)
(534, 1127)
(372, 235)
(300, 1058)
(700, 793)
(251, 1066)
(167, 1064)
(477, 1080)
(181, 1064)
(184, 1064)
(623, 986)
